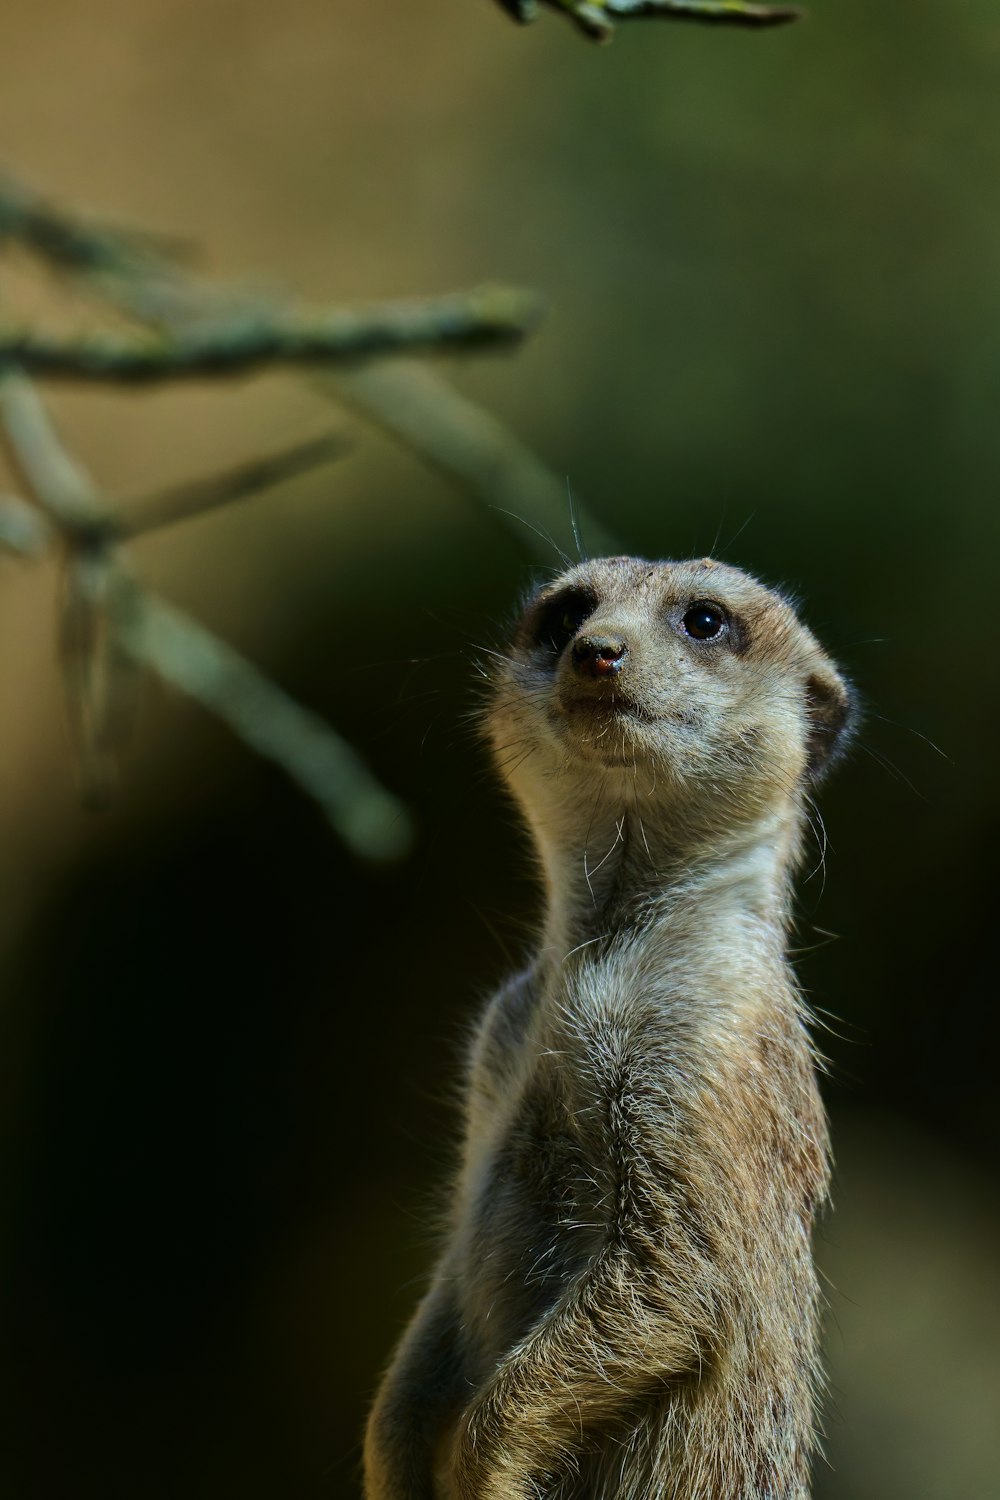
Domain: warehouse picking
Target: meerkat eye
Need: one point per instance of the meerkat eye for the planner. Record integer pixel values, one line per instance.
(562, 617)
(704, 621)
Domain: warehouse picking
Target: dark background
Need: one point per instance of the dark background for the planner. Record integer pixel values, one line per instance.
(227, 1048)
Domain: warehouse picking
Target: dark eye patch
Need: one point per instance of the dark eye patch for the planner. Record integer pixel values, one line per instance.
(561, 618)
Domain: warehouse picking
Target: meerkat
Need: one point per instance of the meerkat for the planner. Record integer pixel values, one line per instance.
(626, 1307)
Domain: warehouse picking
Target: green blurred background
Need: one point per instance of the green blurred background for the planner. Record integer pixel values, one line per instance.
(227, 1050)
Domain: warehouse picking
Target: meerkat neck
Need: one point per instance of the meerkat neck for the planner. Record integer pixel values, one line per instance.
(629, 875)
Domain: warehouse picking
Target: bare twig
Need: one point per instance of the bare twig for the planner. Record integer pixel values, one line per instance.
(108, 614)
(474, 448)
(274, 335)
(597, 18)
(68, 240)
(51, 475)
(368, 819)
(181, 502)
(22, 529)
(102, 680)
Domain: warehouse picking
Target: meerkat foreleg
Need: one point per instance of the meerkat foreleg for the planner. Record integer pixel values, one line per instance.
(621, 1333)
(421, 1392)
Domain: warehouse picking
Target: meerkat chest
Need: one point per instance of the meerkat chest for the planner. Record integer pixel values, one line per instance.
(531, 1222)
(531, 1213)
(538, 1194)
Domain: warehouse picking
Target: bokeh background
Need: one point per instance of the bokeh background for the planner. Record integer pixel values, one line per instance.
(227, 1048)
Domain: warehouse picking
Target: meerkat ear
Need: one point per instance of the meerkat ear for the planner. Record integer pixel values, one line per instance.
(830, 715)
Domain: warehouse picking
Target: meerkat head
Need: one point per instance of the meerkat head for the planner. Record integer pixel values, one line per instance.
(687, 684)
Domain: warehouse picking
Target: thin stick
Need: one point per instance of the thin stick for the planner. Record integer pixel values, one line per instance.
(50, 474)
(199, 496)
(468, 444)
(67, 239)
(270, 334)
(23, 530)
(369, 819)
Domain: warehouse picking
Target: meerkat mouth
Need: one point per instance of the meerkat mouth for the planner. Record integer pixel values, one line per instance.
(612, 733)
(592, 709)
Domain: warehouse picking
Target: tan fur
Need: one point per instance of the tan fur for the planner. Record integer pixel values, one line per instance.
(626, 1308)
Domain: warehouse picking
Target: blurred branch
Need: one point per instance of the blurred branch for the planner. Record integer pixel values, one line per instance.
(101, 688)
(369, 819)
(181, 502)
(22, 529)
(275, 335)
(417, 406)
(102, 680)
(55, 480)
(473, 447)
(198, 330)
(597, 18)
(68, 240)
(107, 614)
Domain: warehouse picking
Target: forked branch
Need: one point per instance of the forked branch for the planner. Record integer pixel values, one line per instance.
(111, 625)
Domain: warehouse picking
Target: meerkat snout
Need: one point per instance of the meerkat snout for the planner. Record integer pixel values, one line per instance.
(599, 655)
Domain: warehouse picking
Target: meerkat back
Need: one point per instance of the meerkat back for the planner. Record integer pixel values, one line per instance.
(625, 1304)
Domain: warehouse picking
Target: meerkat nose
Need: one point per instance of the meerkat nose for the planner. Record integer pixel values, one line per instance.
(599, 655)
